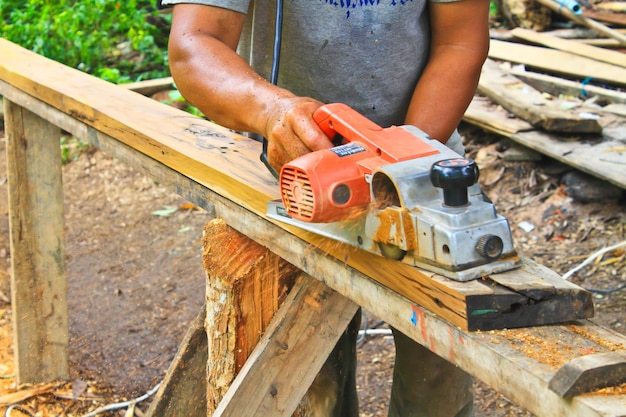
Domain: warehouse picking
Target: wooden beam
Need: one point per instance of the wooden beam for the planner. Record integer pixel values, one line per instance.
(530, 105)
(584, 21)
(229, 165)
(150, 87)
(38, 278)
(558, 62)
(572, 46)
(302, 335)
(617, 19)
(559, 86)
(487, 115)
(490, 356)
(605, 159)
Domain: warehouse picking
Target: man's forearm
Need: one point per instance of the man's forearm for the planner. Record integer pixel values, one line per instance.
(443, 93)
(459, 47)
(221, 84)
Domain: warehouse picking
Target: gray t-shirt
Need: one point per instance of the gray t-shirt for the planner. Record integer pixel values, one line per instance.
(368, 54)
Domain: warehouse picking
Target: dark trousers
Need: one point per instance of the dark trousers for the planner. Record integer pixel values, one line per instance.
(424, 384)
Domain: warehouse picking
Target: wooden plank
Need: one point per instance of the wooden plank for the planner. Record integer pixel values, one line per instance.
(530, 105)
(589, 373)
(300, 338)
(485, 114)
(38, 278)
(245, 284)
(150, 87)
(229, 165)
(603, 43)
(557, 86)
(618, 109)
(606, 16)
(183, 390)
(583, 20)
(605, 159)
(558, 62)
(575, 47)
(490, 356)
(545, 350)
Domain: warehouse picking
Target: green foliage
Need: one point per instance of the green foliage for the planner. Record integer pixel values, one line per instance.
(177, 97)
(72, 148)
(119, 41)
(493, 9)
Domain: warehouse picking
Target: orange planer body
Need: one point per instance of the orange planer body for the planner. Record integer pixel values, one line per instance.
(328, 185)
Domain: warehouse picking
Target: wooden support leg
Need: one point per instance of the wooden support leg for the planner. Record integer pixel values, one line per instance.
(183, 391)
(39, 282)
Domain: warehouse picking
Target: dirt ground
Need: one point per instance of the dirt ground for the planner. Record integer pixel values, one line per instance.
(136, 279)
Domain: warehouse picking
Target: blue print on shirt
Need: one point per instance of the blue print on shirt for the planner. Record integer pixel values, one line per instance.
(353, 4)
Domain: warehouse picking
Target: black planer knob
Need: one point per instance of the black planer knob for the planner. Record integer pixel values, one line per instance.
(454, 176)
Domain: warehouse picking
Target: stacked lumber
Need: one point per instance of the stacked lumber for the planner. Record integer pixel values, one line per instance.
(561, 92)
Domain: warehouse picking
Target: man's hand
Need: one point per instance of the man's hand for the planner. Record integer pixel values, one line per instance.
(291, 130)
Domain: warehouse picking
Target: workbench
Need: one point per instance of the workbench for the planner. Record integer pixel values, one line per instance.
(220, 171)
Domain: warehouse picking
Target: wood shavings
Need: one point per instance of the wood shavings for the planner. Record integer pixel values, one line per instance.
(543, 350)
(607, 344)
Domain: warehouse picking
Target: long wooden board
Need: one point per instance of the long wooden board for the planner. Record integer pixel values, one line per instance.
(584, 20)
(530, 105)
(38, 279)
(557, 86)
(618, 19)
(574, 47)
(602, 159)
(558, 62)
(228, 165)
(501, 358)
(487, 115)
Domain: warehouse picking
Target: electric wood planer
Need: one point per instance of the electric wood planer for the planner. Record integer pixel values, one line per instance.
(397, 193)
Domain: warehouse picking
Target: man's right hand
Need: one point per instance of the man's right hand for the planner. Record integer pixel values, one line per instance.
(291, 131)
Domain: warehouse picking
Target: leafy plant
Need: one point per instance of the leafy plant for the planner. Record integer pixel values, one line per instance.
(119, 41)
(494, 10)
(176, 97)
(72, 148)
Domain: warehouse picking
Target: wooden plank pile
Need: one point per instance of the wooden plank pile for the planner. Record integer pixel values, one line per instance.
(561, 92)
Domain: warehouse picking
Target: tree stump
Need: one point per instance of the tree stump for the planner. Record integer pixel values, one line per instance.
(246, 284)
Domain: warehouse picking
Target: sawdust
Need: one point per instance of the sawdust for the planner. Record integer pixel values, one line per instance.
(535, 347)
(595, 338)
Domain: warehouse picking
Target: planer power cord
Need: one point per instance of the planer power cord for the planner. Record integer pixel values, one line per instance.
(278, 37)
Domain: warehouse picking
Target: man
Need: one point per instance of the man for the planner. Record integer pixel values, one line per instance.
(395, 61)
